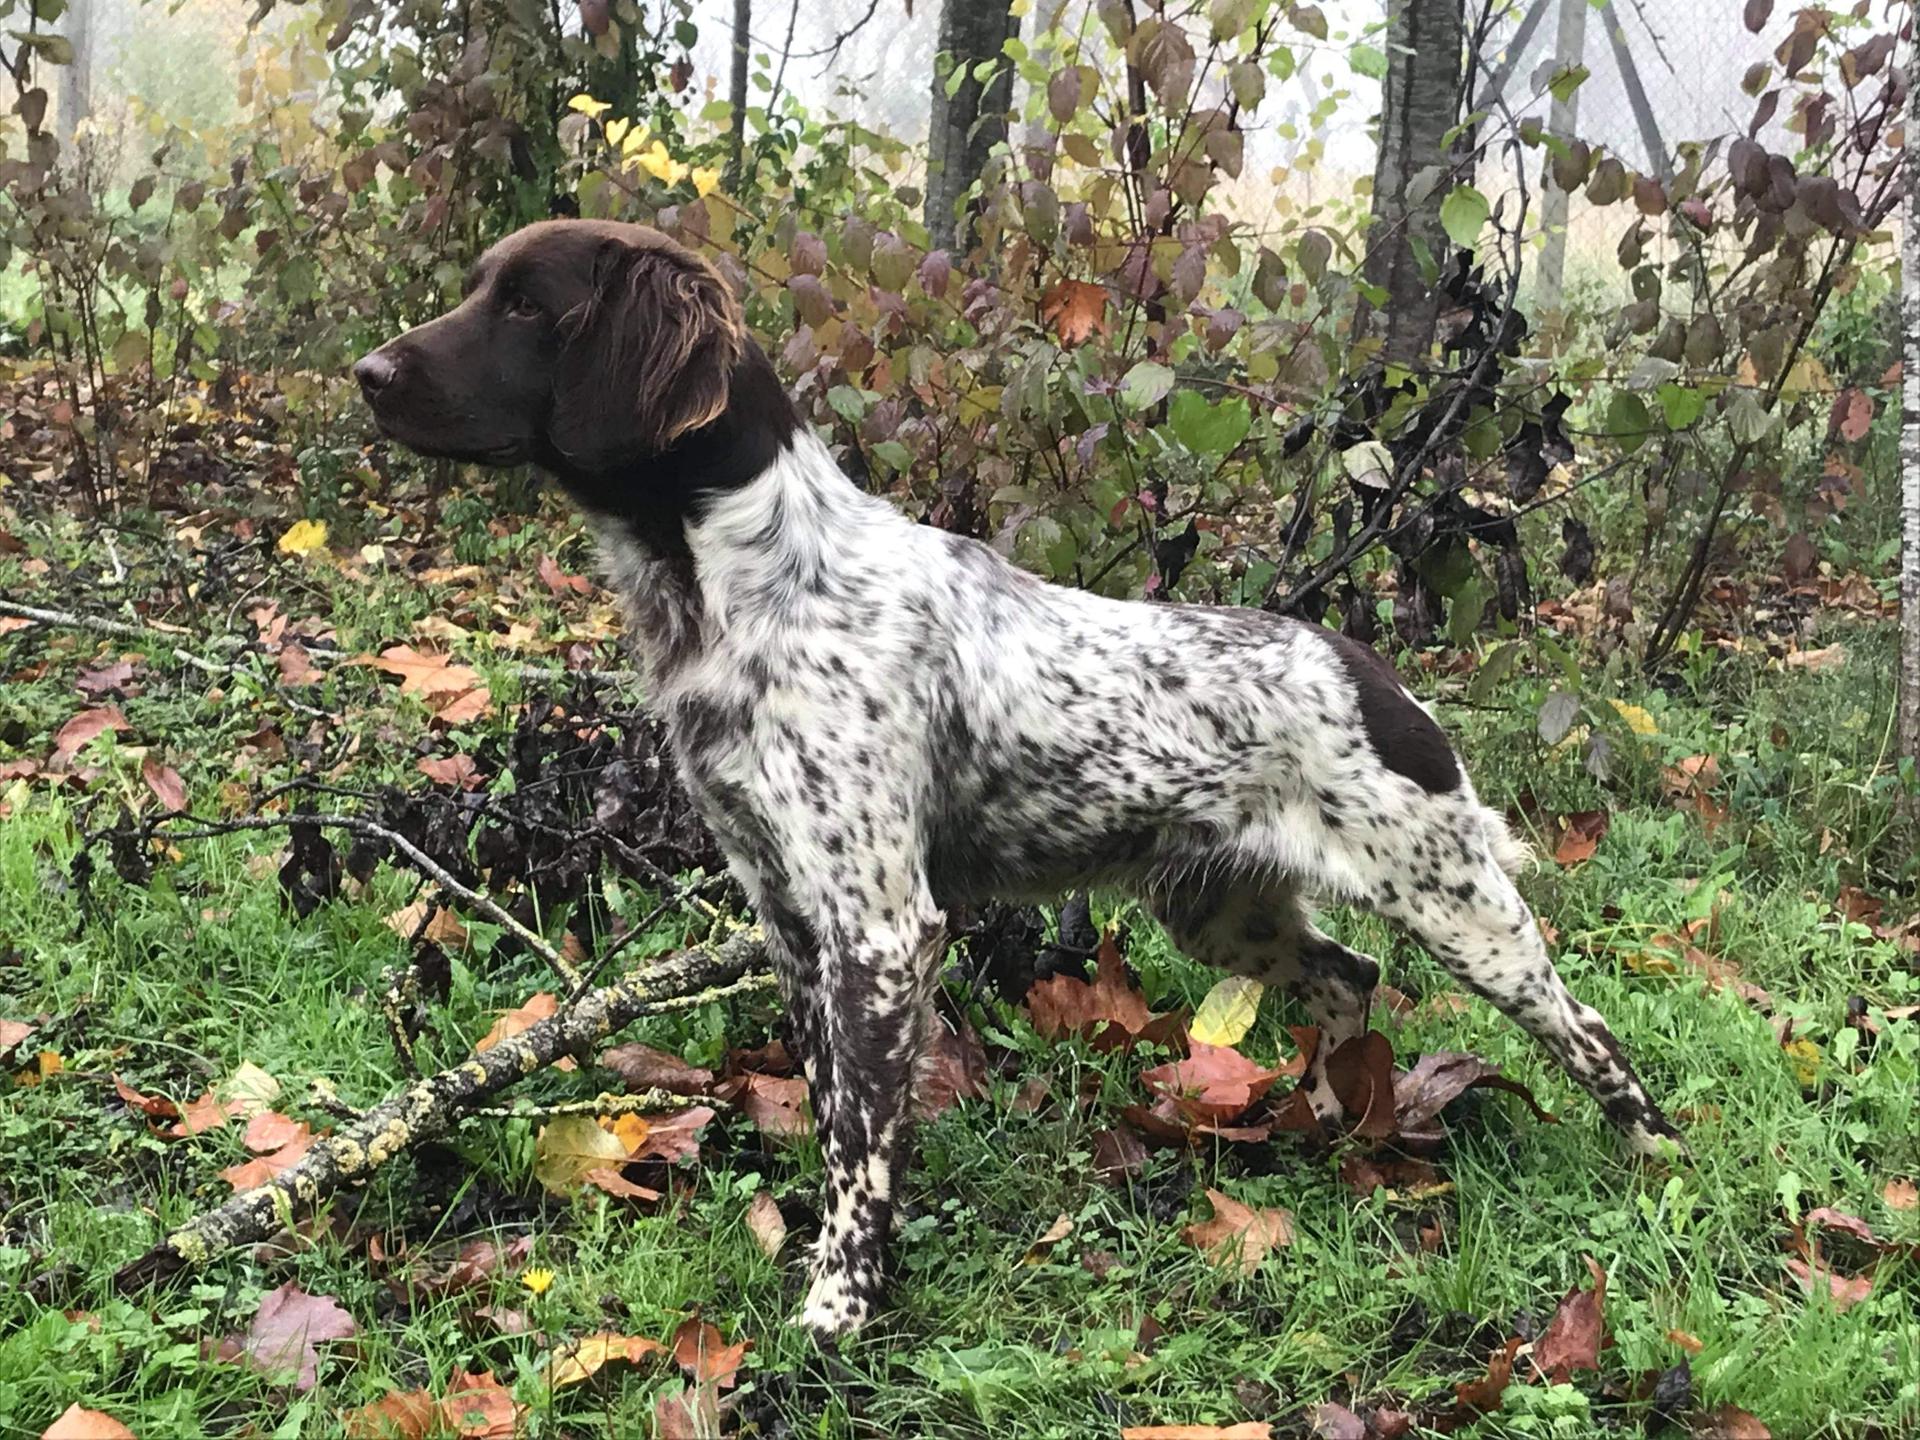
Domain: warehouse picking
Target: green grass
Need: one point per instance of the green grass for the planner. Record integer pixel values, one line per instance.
(173, 984)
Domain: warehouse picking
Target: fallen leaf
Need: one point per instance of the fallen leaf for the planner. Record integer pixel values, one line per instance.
(1228, 1011)
(953, 1068)
(1827, 657)
(583, 1359)
(691, 1414)
(296, 666)
(422, 672)
(1337, 1422)
(286, 1333)
(1360, 1071)
(766, 1224)
(1572, 1338)
(676, 1136)
(1117, 1155)
(705, 1357)
(558, 581)
(165, 783)
(642, 1067)
(1846, 1290)
(609, 1179)
(303, 537)
(157, 1106)
(1038, 1252)
(77, 1424)
(74, 736)
(1729, 1422)
(509, 1023)
(279, 1144)
(105, 679)
(775, 1104)
(479, 1408)
(1239, 1236)
(402, 1415)
(12, 1032)
(1436, 1080)
(458, 771)
(1581, 836)
(1212, 1084)
(1898, 1194)
(1482, 1396)
(568, 1147)
(1245, 1430)
(1109, 1013)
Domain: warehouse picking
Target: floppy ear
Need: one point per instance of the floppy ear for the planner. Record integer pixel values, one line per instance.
(647, 359)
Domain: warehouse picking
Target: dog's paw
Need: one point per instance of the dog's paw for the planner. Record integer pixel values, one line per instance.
(835, 1306)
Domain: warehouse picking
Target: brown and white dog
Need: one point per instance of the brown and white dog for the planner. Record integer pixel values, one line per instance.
(881, 721)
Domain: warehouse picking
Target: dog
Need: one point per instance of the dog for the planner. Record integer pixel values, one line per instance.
(883, 722)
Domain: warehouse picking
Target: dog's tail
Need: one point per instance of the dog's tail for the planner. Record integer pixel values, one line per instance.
(1510, 852)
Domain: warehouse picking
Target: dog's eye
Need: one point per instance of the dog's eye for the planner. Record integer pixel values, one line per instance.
(522, 308)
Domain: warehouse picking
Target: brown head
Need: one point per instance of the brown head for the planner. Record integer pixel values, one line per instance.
(605, 353)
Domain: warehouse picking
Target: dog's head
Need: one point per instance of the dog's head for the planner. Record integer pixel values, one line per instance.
(582, 346)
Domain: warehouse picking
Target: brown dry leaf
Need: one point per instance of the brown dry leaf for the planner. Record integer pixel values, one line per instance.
(674, 1137)
(1573, 1336)
(458, 771)
(1238, 1235)
(422, 672)
(78, 732)
(692, 1414)
(511, 1022)
(296, 666)
(1214, 1082)
(766, 1224)
(706, 1359)
(77, 1424)
(12, 1032)
(1038, 1252)
(1117, 1156)
(558, 581)
(1483, 1395)
(569, 1147)
(1337, 1422)
(465, 708)
(1109, 1013)
(775, 1104)
(285, 1335)
(477, 1407)
(1436, 1080)
(402, 1415)
(165, 783)
(1729, 1422)
(607, 1178)
(1360, 1072)
(1581, 836)
(1690, 1343)
(1846, 1290)
(1245, 1430)
(278, 1143)
(157, 1106)
(1076, 309)
(583, 1359)
(644, 1068)
(954, 1068)
(1827, 657)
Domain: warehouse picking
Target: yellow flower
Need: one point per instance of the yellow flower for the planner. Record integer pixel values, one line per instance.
(588, 106)
(705, 177)
(538, 1281)
(662, 166)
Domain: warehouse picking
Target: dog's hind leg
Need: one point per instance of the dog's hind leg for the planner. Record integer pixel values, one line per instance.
(1260, 929)
(1456, 899)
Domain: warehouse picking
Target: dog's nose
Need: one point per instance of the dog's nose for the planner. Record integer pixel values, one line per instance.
(374, 372)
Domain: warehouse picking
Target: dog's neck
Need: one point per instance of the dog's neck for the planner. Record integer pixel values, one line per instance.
(653, 498)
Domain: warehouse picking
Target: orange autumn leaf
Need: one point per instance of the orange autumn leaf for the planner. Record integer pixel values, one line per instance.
(1238, 1235)
(1076, 309)
(1108, 1012)
(704, 1356)
(478, 1407)
(78, 1424)
(1581, 837)
(523, 1017)
(403, 1415)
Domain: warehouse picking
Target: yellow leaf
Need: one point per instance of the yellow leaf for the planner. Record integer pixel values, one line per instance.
(567, 1148)
(633, 141)
(1806, 1059)
(658, 163)
(617, 130)
(705, 177)
(248, 1090)
(580, 1361)
(630, 1130)
(1228, 1012)
(588, 106)
(303, 537)
(1638, 720)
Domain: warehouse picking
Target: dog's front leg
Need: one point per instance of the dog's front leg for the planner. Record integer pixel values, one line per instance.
(877, 971)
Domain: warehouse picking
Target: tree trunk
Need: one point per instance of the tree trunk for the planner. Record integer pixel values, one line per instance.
(968, 124)
(76, 78)
(1909, 738)
(1419, 104)
(737, 90)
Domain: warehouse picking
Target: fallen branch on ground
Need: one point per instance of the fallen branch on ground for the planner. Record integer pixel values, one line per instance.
(429, 1108)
